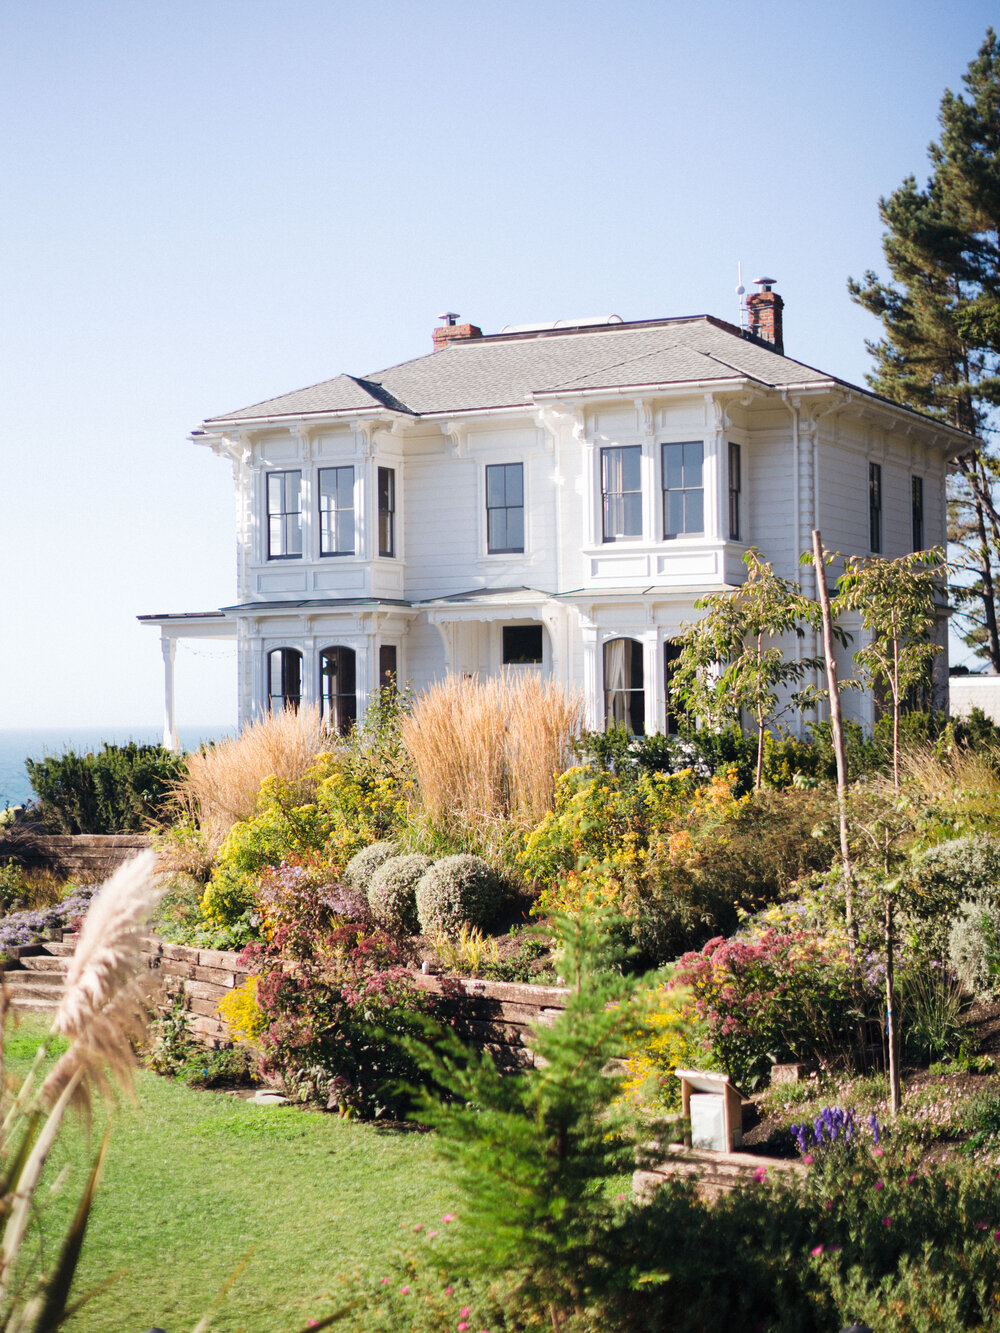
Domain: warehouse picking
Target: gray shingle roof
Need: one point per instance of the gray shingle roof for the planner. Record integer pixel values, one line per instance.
(508, 370)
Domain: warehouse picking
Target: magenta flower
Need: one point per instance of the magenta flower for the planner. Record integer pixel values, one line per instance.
(419, 1227)
(449, 1291)
(816, 1251)
(980, 1226)
(808, 1159)
(432, 1233)
(760, 1173)
(405, 1291)
(619, 1197)
(462, 1326)
(464, 1312)
(385, 1282)
(450, 1217)
(996, 1235)
(879, 1184)
(911, 1177)
(887, 1221)
(879, 1152)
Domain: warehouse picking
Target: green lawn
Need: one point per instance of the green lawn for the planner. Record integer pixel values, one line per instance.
(195, 1180)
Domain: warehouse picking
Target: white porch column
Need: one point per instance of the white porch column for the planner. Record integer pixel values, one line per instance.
(168, 646)
(593, 683)
(654, 720)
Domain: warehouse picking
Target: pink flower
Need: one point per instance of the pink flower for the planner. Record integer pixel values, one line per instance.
(312, 1323)
(449, 1291)
(450, 1217)
(619, 1197)
(462, 1326)
(808, 1159)
(828, 1205)
(760, 1173)
(464, 1312)
(911, 1177)
(816, 1251)
(419, 1227)
(879, 1184)
(887, 1221)
(980, 1226)
(432, 1233)
(996, 1235)
(404, 1291)
(385, 1282)
(879, 1152)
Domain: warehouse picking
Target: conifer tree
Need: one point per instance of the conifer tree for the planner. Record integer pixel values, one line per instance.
(940, 312)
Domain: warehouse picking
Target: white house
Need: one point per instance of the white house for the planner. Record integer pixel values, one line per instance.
(549, 497)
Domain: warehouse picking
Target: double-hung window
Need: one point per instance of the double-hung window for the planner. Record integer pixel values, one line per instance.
(917, 511)
(505, 508)
(621, 492)
(386, 511)
(735, 491)
(336, 511)
(683, 489)
(284, 515)
(875, 507)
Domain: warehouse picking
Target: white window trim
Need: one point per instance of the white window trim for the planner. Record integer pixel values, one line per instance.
(481, 523)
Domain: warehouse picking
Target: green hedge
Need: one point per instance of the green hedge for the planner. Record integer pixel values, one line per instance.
(120, 789)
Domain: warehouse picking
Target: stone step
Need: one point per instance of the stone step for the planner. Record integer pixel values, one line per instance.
(44, 985)
(44, 962)
(29, 1004)
(63, 949)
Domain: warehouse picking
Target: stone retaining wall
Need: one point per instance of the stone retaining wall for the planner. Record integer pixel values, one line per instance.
(493, 1014)
(86, 856)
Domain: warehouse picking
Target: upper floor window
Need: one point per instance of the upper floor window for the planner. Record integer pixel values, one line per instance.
(917, 511)
(336, 511)
(284, 515)
(621, 492)
(386, 511)
(284, 678)
(505, 508)
(875, 507)
(735, 491)
(683, 489)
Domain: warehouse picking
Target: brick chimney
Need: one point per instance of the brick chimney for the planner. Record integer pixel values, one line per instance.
(764, 309)
(452, 330)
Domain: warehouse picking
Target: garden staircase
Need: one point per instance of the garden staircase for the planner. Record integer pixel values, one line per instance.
(35, 975)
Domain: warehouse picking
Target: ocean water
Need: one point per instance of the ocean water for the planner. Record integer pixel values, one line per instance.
(18, 745)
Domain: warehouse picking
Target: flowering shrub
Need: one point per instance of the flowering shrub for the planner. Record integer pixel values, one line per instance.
(241, 1012)
(668, 1037)
(28, 927)
(334, 993)
(776, 998)
(833, 1124)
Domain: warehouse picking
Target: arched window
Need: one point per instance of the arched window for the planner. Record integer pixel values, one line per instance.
(624, 698)
(284, 678)
(338, 688)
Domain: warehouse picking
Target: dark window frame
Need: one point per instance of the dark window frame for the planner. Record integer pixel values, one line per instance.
(513, 655)
(386, 511)
(326, 512)
(288, 662)
(341, 705)
(612, 459)
(282, 514)
(673, 714)
(875, 508)
(505, 509)
(917, 512)
(735, 491)
(684, 490)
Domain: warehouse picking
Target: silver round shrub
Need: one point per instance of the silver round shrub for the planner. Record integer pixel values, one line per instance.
(363, 864)
(456, 891)
(974, 946)
(392, 891)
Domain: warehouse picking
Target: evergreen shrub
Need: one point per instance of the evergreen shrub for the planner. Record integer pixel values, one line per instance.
(974, 945)
(363, 864)
(392, 892)
(456, 891)
(118, 789)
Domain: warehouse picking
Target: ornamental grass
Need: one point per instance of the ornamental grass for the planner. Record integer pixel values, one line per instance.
(487, 753)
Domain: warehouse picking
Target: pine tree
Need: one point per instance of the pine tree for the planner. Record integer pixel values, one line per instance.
(940, 311)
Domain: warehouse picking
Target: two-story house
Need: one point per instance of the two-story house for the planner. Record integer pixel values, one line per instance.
(549, 497)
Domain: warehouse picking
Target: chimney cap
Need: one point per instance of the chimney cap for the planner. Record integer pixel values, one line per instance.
(766, 283)
(449, 316)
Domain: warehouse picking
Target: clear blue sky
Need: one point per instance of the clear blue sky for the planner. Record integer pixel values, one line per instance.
(209, 202)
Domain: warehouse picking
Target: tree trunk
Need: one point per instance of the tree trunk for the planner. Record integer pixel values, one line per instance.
(837, 733)
(892, 1030)
(760, 750)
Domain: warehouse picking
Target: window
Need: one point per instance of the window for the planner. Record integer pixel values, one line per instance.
(338, 699)
(284, 515)
(387, 667)
(284, 679)
(336, 511)
(621, 492)
(683, 492)
(505, 508)
(624, 698)
(386, 511)
(522, 644)
(671, 652)
(875, 507)
(735, 487)
(917, 511)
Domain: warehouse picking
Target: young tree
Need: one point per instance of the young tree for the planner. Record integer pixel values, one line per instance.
(899, 603)
(940, 312)
(729, 660)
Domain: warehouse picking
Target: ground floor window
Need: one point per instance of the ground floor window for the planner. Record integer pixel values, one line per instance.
(624, 694)
(338, 688)
(387, 666)
(522, 645)
(674, 712)
(284, 678)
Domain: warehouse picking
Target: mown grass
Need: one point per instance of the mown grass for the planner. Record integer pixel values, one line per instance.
(196, 1180)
